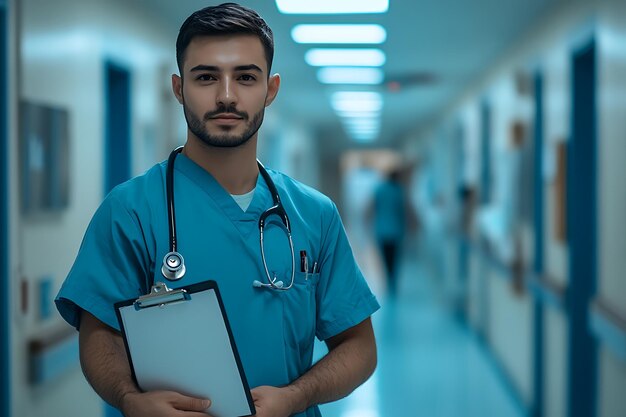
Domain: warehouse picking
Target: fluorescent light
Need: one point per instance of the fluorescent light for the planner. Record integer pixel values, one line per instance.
(363, 131)
(332, 6)
(350, 75)
(362, 122)
(354, 34)
(364, 137)
(357, 106)
(358, 114)
(362, 126)
(320, 57)
(357, 95)
(356, 101)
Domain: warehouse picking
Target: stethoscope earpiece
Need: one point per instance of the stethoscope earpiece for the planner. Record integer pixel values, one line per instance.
(173, 266)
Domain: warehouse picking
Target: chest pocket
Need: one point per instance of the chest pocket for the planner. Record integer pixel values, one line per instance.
(300, 311)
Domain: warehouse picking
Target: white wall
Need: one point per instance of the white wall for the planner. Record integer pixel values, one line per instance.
(510, 332)
(611, 156)
(556, 117)
(612, 382)
(555, 361)
(63, 48)
(289, 147)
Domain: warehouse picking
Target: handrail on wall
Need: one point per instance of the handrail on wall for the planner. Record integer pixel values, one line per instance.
(608, 326)
(549, 291)
(52, 353)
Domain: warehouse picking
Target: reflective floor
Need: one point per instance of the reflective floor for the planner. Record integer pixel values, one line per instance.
(429, 364)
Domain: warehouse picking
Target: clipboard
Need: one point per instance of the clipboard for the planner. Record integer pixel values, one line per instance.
(180, 340)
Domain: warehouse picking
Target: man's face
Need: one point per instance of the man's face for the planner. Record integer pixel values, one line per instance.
(225, 88)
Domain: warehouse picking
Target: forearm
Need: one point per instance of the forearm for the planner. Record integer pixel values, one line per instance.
(104, 362)
(349, 362)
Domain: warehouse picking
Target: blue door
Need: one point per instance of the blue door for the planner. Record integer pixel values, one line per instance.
(581, 233)
(117, 125)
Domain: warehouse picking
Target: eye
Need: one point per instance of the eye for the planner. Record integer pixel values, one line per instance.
(205, 77)
(247, 78)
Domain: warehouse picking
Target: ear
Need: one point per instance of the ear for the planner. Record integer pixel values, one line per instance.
(273, 85)
(177, 87)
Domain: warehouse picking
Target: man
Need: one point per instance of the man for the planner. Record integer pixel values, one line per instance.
(224, 56)
(393, 216)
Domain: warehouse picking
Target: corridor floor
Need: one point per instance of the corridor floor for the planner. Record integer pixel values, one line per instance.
(429, 364)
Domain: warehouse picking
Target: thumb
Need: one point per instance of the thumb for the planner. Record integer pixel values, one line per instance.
(185, 403)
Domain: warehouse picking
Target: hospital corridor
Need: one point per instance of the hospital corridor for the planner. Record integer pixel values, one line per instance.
(218, 198)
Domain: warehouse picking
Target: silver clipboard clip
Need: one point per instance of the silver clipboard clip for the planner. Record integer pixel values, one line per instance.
(160, 295)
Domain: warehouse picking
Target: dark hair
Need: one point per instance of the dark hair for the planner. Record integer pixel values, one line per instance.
(225, 19)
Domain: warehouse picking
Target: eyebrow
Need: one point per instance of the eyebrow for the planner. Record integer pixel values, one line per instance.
(250, 67)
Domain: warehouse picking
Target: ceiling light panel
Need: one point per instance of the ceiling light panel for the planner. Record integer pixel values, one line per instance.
(350, 75)
(339, 34)
(338, 57)
(359, 114)
(332, 6)
(364, 137)
(357, 101)
(357, 95)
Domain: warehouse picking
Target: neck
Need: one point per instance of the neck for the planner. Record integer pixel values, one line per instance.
(235, 169)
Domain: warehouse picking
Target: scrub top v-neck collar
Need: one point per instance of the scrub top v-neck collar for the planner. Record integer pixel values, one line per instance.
(246, 221)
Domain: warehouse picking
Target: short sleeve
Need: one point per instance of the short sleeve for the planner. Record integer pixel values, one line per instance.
(111, 266)
(343, 297)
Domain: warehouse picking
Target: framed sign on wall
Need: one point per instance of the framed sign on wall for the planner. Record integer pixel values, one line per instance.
(44, 158)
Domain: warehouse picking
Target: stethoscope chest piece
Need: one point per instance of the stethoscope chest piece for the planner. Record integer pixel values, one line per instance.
(173, 266)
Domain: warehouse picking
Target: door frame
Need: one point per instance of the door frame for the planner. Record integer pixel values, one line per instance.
(5, 333)
(538, 267)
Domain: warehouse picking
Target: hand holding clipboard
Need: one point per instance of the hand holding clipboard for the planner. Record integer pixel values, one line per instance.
(180, 340)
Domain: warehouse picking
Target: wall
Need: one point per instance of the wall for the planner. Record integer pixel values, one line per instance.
(288, 147)
(63, 47)
(612, 198)
(611, 155)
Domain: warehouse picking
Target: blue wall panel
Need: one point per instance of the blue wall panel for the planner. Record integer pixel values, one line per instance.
(581, 234)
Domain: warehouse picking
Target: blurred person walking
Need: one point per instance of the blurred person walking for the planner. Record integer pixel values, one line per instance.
(392, 216)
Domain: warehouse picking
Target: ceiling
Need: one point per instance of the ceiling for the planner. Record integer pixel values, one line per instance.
(444, 46)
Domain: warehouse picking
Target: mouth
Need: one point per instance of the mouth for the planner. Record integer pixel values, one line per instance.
(227, 116)
(226, 119)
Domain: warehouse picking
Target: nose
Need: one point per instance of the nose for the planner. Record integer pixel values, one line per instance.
(227, 95)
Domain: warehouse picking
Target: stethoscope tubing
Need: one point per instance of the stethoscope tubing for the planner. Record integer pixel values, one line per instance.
(173, 267)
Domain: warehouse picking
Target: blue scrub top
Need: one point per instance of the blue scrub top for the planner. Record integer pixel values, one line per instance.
(274, 330)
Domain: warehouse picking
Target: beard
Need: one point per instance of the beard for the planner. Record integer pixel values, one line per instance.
(197, 126)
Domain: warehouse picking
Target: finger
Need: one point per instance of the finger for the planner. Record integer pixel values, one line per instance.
(185, 403)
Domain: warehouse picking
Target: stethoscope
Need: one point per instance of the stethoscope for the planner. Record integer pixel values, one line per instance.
(174, 268)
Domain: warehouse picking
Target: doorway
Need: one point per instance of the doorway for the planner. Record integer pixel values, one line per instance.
(117, 153)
